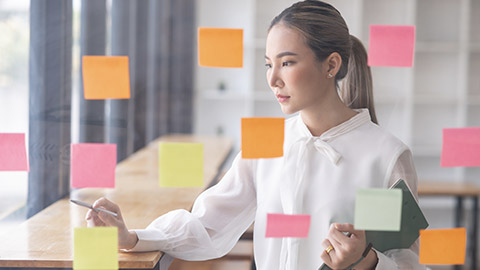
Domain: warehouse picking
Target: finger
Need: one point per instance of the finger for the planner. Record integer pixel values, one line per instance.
(337, 235)
(93, 220)
(332, 236)
(105, 203)
(108, 219)
(349, 228)
(327, 257)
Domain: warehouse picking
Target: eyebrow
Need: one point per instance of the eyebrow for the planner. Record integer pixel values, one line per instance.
(282, 54)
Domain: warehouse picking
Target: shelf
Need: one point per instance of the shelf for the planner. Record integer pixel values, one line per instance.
(223, 95)
(427, 125)
(388, 99)
(438, 20)
(474, 20)
(435, 100)
(267, 108)
(264, 96)
(473, 116)
(473, 100)
(473, 75)
(436, 75)
(437, 46)
(380, 12)
(475, 47)
(427, 151)
(260, 43)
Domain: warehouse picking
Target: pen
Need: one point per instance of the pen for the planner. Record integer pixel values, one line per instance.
(95, 209)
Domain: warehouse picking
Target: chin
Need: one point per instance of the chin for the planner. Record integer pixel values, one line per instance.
(287, 110)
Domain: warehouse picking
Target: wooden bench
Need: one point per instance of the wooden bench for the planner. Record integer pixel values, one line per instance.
(45, 240)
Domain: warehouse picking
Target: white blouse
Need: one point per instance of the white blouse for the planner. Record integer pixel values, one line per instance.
(318, 176)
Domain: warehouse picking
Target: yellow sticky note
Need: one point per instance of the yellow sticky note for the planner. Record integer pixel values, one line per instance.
(443, 246)
(95, 248)
(106, 77)
(262, 137)
(220, 47)
(180, 164)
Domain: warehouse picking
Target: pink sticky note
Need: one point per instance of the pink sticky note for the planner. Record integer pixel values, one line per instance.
(461, 147)
(13, 154)
(391, 45)
(93, 165)
(281, 225)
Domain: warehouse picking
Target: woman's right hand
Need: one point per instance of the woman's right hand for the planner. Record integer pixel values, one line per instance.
(126, 239)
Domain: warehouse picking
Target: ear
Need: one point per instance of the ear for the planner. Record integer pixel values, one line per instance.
(333, 64)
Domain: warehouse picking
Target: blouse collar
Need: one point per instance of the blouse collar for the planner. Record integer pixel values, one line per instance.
(362, 117)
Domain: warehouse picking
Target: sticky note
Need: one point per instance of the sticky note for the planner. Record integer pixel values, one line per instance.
(281, 225)
(106, 77)
(461, 147)
(220, 47)
(93, 165)
(391, 45)
(95, 248)
(378, 209)
(262, 137)
(13, 153)
(443, 246)
(180, 164)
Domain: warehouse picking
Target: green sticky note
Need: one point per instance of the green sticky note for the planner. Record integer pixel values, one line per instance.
(378, 209)
(95, 248)
(180, 164)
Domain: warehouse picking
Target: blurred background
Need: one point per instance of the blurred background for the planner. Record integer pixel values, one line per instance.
(41, 93)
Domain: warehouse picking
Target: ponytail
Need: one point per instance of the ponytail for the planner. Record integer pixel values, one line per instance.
(357, 88)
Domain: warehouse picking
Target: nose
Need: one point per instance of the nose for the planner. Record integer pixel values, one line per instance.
(274, 79)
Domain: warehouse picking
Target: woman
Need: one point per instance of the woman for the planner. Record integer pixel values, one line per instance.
(332, 148)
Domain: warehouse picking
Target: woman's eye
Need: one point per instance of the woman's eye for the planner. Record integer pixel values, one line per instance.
(285, 64)
(268, 65)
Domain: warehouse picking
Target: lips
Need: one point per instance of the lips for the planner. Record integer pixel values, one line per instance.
(282, 98)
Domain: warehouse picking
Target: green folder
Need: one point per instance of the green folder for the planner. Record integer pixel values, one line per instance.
(412, 221)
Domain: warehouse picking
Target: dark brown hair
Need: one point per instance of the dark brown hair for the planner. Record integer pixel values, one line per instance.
(325, 32)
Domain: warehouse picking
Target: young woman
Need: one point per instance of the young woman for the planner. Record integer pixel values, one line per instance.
(332, 148)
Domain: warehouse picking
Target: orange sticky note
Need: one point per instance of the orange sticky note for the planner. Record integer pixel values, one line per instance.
(106, 77)
(262, 137)
(443, 246)
(220, 47)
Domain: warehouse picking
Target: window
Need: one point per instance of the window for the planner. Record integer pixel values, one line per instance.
(14, 48)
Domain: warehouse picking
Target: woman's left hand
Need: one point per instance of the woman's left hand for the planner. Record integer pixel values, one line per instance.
(346, 249)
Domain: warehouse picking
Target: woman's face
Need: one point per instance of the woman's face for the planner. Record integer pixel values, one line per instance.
(298, 80)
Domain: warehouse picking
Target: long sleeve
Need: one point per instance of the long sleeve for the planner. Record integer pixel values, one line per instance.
(219, 217)
(402, 258)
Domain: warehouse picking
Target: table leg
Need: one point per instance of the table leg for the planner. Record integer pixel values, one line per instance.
(458, 219)
(474, 232)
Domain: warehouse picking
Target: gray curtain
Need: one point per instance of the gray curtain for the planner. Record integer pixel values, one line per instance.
(159, 38)
(93, 41)
(50, 86)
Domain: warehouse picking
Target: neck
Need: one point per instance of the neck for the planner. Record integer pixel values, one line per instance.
(332, 112)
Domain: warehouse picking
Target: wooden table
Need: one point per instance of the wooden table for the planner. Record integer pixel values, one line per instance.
(46, 239)
(459, 191)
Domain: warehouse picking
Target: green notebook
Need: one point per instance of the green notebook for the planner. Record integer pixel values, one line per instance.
(412, 221)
